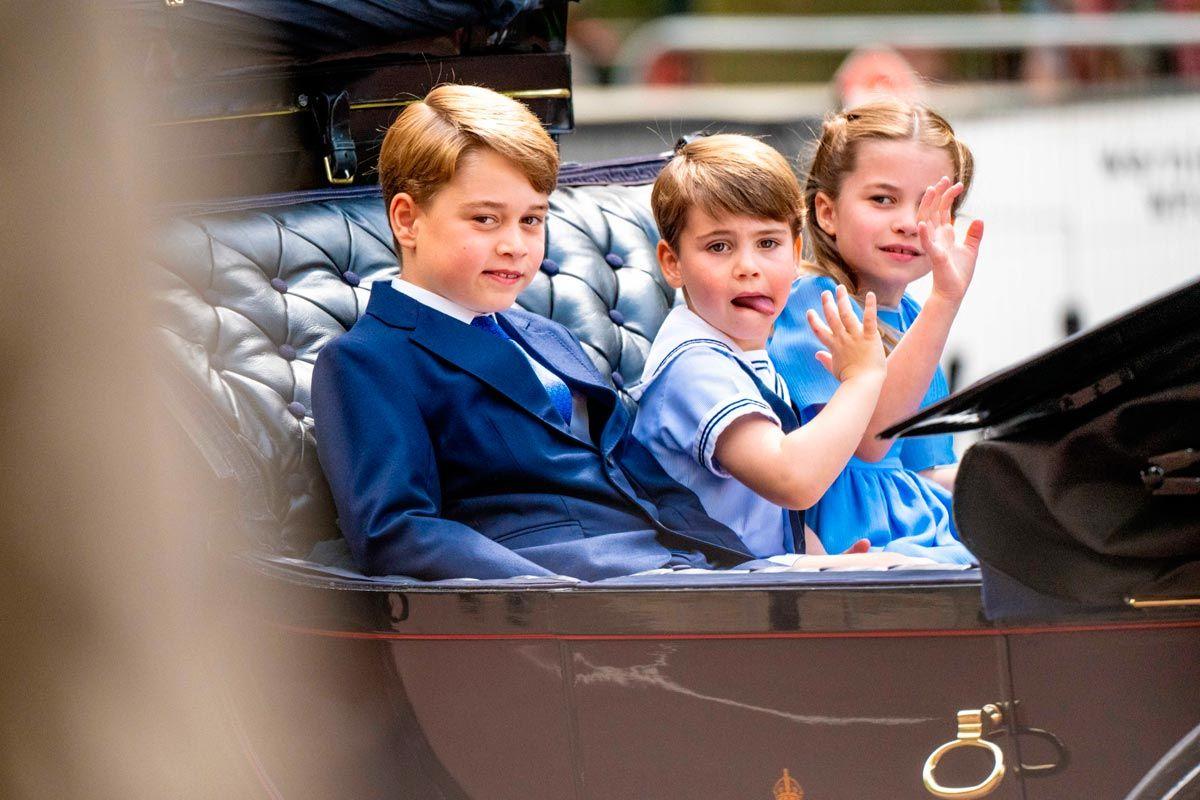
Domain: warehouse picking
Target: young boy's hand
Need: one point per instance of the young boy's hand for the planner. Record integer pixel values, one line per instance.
(953, 262)
(854, 348)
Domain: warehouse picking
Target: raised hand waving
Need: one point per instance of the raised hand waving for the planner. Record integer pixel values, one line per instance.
(953, 261)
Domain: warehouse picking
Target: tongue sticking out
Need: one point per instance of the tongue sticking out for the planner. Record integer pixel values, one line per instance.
(755, 302)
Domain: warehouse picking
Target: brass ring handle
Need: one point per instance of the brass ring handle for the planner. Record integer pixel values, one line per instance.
(971, 725)
(983, 789)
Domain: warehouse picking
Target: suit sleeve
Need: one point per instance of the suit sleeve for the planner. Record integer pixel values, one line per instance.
(379, 460)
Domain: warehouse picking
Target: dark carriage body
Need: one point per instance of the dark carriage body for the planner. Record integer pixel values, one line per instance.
(707, 687)
(659, 686)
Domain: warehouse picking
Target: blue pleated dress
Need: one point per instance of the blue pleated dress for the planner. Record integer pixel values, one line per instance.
(887, 501)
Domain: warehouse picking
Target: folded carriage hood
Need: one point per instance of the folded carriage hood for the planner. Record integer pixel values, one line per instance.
(247, 33)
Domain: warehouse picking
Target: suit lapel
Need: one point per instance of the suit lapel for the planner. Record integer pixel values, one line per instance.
(554, 355)
(549, 347)
(490, 359)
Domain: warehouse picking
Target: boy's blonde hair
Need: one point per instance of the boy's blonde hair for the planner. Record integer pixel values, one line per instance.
(726, 174)
(836, 154)
(426, 143)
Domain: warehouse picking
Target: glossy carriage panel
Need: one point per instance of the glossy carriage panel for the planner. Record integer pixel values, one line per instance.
(723, 718)
(1118, 699)
(494, 712)
(708, 689)
(647, 693)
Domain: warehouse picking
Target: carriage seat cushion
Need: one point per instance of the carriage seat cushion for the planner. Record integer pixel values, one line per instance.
(247, 293)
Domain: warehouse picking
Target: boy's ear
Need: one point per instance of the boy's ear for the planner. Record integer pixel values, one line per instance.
(668, 262)
(404, 216)
(798, 252)
(826, 213)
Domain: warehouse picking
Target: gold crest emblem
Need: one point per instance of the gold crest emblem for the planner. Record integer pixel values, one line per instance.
(786, 788)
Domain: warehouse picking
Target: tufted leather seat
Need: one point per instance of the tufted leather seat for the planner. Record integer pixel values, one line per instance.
(247, 296)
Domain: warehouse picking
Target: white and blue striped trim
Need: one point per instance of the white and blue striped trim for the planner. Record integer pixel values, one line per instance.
(765, 369)
(716, 421)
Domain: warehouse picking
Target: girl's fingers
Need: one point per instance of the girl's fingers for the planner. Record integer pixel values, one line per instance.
(939, 189)
(974, 235)
(946, 203)
(927, 203)
(870, 320)
(925, 234)
(846, 311)
(823, 334)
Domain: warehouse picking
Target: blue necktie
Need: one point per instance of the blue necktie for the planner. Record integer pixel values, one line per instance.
(560, 393)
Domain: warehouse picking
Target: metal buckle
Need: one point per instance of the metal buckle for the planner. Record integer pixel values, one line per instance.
(1155, 477)
(1088, 394)
(334, 180)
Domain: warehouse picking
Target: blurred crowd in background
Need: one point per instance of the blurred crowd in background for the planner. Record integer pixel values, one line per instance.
(599, 28)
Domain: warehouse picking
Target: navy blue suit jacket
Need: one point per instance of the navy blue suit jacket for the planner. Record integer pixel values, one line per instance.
(435, 440)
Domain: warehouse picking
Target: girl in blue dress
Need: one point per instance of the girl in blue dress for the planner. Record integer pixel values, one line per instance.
(885, 182)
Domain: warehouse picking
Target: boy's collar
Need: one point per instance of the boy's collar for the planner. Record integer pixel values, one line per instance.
(690, 325)
(434, 300)
(684, 325)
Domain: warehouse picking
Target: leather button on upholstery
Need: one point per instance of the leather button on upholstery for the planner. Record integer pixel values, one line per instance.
(287, 351)
(278, 285)
(351, 278)
(212, 297)
(297, 409)
(618, 380)
(216, 362)
(616, 316)
(550, 266)
(614, 260)
(296, 483)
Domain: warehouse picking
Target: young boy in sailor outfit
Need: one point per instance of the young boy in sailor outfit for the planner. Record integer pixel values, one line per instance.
(712, 408)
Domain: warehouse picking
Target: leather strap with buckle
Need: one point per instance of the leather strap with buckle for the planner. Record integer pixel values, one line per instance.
(332, 112)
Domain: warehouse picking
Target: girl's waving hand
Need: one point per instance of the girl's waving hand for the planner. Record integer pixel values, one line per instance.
(953, 262)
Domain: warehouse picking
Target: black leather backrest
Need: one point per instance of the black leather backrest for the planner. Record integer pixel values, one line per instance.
(245, 300)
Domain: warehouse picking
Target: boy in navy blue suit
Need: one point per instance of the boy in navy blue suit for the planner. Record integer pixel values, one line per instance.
(464, 439)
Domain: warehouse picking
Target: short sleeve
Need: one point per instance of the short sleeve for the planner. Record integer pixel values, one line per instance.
(924, 452)
(698, 394)
(794, 347)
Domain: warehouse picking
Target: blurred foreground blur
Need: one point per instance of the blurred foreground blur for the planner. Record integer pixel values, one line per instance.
(109, 651)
